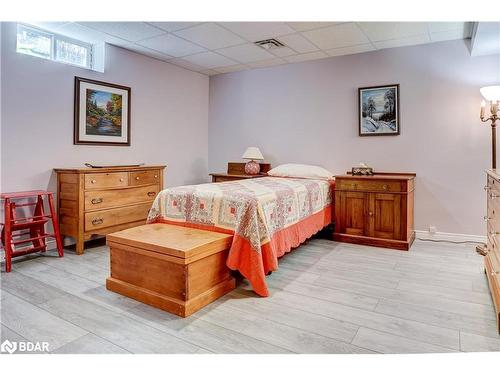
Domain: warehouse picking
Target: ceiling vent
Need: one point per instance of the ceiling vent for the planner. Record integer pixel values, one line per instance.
(270, 43)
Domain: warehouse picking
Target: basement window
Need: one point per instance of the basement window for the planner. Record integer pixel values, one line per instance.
(47, 45)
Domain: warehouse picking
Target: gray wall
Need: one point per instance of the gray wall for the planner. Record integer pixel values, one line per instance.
(169, 117)
(307, 113)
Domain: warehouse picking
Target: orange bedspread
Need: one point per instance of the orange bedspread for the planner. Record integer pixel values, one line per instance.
(268, 217)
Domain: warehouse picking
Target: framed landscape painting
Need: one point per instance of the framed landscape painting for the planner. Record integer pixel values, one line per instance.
(379, 110)
(102, 113)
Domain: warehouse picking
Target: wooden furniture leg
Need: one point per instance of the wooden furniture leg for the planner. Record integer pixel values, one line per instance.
(7, 239)
(55, 225)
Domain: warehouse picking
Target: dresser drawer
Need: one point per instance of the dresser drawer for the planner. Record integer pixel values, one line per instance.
(116, 216)
(99, 199)
(370, 185)
(144, 177)
(106, 180)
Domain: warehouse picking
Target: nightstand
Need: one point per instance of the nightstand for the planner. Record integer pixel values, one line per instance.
(375, 210)
(236, 171)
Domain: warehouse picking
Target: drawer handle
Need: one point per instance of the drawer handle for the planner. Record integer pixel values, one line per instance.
(385, 187)
(93, 181)
(137, 178)
(151, 193)
(97, 200)
(98, 221)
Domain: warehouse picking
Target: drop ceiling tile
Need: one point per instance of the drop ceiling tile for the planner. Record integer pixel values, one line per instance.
(304, 26)
(378, 31)
(210, 35)
(266, 63)
(298, 43)
(209, 60)
(350, 50)
(282, 51)
(209, 72)
(147, 52)
(436, 27)
(173, 26)
(254, 31)
(306, 57)
(186, 64)
(171, 45)
(245, 53)
(337, 36)
(232, 68)
(410, 41)
(131, 31)
(449, 35)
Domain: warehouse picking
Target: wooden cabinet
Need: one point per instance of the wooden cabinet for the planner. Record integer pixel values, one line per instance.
(375, 210)
(492, 258)
(104, 200)
(236, 171)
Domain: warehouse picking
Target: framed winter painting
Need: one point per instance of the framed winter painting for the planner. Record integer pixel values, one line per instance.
(379, 110)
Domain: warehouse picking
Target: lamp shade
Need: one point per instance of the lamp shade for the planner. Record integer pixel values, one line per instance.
(491, 93)
(253, 153)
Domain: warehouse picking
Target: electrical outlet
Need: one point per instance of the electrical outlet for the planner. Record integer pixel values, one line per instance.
(432, 229)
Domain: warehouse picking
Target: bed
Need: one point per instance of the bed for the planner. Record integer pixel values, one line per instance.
(267, 217)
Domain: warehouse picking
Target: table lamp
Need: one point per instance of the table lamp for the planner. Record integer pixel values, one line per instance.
(491, 94)
(252, 154)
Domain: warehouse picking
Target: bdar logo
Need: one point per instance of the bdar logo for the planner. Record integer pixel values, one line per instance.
(9, 347)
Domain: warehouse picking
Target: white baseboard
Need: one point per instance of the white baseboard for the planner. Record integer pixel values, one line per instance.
(443, 236)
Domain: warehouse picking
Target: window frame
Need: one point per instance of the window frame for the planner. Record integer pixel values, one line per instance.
(54, 37)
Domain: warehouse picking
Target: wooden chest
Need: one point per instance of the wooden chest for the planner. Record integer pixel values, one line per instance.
(104, 200)
(492, 258)
(174, 268)
(375, 210)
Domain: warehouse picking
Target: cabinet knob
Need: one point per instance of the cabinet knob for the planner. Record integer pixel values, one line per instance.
(97, 221)
(370, 213)
(137, 178)
(385, 187)
(121, 179)
(354, 186)
(97, 200)
(93, 181)
(156, 176)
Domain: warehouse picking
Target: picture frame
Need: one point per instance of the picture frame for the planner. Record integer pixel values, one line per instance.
(101, 113)
(378, 110)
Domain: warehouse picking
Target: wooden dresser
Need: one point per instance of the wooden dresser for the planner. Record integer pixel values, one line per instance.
(492, 258)
(375, 210)
(104, 200)
(236, 171)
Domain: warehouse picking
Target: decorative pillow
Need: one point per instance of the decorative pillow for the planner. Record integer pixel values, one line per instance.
(302, 171)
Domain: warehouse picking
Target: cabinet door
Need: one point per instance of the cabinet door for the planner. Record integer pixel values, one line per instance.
(384, 216)
(351, 212)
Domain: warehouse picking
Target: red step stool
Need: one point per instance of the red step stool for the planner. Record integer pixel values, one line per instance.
(35, 224)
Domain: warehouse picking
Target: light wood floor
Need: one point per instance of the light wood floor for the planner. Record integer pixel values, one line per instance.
(327, 297)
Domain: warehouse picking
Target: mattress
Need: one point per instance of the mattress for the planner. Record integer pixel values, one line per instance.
(267, 216)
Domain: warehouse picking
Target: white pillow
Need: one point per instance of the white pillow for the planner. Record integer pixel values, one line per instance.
(301, 171)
